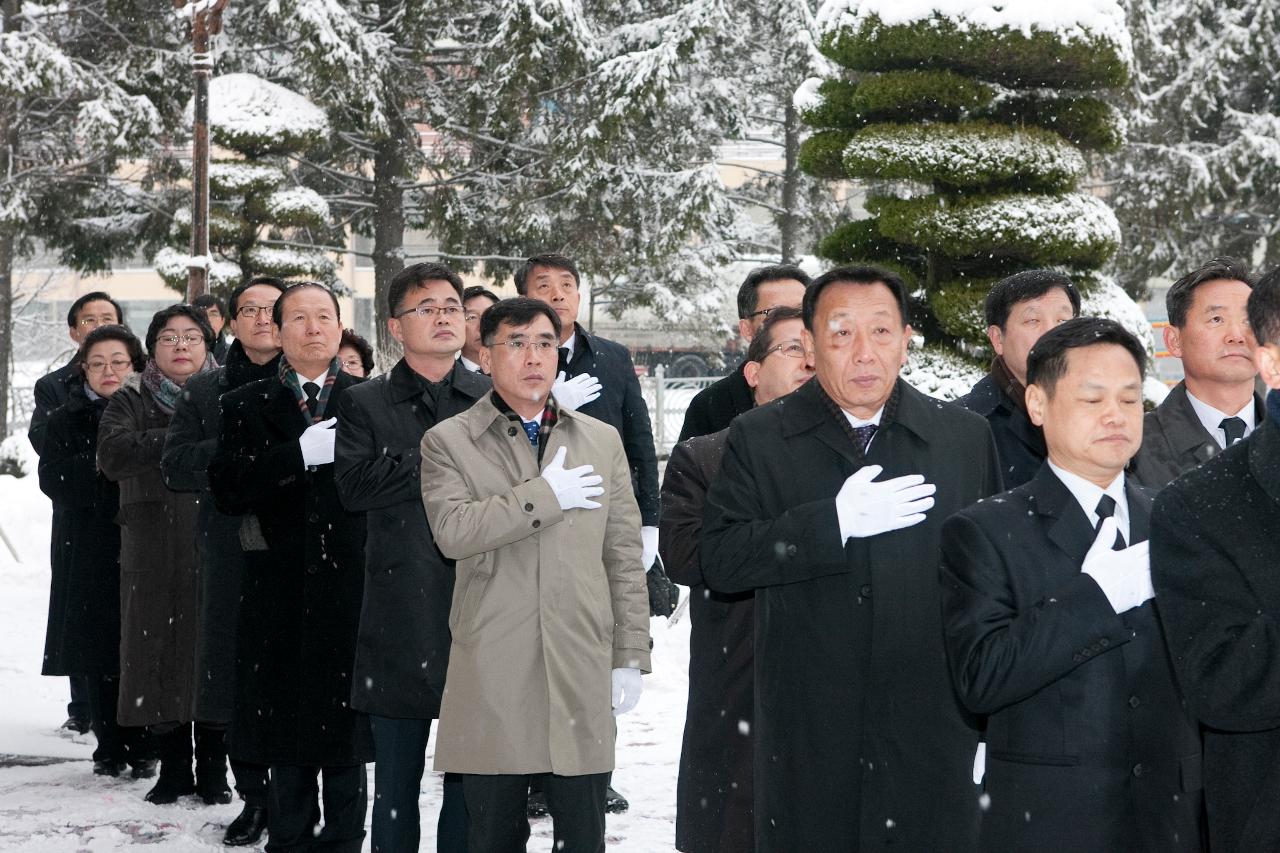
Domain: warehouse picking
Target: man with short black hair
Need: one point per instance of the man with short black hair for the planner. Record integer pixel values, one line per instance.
(860, 741)
(1214, 553)
(763, 290)
(1019, 309)
(1216, 404)
(402, 653)
(475, 299)
(1051, 632)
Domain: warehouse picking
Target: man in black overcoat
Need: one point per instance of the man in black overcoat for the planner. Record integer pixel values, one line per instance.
(403, 650)
(763, 290)
(825, 506)
(1051, 632)
(1019, 310)
(714, 792)
(1214, 556)
(188, 449)
(1215, 404)
(303, 581)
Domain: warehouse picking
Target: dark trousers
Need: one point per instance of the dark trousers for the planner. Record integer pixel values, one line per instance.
(78, 707)
(251, 782)
(121, 744)
(498, 819)
(294, 810)
(400, 747)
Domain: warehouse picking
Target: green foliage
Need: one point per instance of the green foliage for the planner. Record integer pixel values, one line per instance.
(1005, 56)
(1090, 123)
(912, 95)
(822, 154)
(972, 155)
(958, 307)
(836, 107)
(860, 241)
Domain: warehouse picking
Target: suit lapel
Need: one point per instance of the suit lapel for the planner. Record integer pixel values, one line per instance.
(1140, 501)
(1067, 525)
(281, 411)
(808, 414)
(1186, 435)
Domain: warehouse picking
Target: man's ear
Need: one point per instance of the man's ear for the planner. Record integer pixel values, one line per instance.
(1267, 358)
(751, 372)
(1037, 403)
(744, 329)
(486, 361)
(1173, 340)
(997, 339)
(393, 326)
(907, 332)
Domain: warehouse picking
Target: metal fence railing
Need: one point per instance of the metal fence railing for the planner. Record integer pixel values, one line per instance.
(667, 399)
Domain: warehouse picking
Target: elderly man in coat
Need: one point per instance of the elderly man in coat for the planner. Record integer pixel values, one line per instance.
(550, 611)
(825, 506)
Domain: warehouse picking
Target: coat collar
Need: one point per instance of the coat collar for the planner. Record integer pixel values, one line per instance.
(985, 397)
(484, 414)
(404, 384)
(1185, 432)
(1264, 457)
(908, 410)
(1069, 527)
(281, 407)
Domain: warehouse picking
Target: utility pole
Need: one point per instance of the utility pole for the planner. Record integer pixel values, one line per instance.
(205, 18)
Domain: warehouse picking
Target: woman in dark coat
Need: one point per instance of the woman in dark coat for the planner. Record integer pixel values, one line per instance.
(83, 636)
(158, 563)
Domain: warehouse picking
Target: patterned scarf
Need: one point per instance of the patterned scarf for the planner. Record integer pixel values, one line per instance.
(550, 415)
(289, 378)
(165, 390)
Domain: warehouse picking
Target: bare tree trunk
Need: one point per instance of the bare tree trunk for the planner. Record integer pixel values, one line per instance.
(8, 238)
(790, 222)
(388, 237)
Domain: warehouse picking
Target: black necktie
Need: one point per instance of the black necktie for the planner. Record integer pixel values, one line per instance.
(562, 361)
(312, 390)
(1106, 509)
(864, 435)
(1234, 428)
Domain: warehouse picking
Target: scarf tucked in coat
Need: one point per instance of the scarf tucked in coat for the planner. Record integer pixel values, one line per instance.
(289, 377)
(164, 389)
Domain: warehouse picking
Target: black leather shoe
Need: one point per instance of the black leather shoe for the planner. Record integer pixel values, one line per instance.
(168, 788)
(615, 803)
(144, 769)
(247, 828)
(76, 725)
(109, 768)
(213, 789)
(537, 806)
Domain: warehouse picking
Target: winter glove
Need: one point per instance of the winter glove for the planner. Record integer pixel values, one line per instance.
(575, 393)
(864, 508)
(316, 442)
(627, 687)
(980, 763)
(575, 487)
(1125, 576)
(648, 547)
(664, 595)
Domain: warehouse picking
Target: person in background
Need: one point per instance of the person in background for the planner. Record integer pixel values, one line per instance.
(216, 313)
(83, 637)
(1019, 310)
(550, 619)
(714, 791)
(1216, 404)
(1214, 554)
(402, 652)
(188, 449)
(51, 391)
(475, 300)
(303, 582)
(355, 355)
(158, 563)
(762, 291)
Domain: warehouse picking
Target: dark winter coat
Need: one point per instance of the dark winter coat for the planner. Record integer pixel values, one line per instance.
(402, 653)
(712, 408)
(1019, 442)
(188, 449)
(860, 741)
(1087, 731)
(52, 391)
(714, 792)
(83, 634)
(158, 565)
(1214, 559)
(302, 585)
(1174, 440)
(622, 406)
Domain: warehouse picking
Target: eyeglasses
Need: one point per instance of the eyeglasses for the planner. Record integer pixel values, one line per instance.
(351, 363)
(174, 340)
(450, 312)
(245, 312)
(104, 320)
(517, 345)
(764, 312)
(116, 365)
(791, 349)
(471, 316)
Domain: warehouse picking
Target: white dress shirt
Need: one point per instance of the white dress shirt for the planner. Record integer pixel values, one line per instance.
(1211, 417)
(1088, 494)
(468, 363)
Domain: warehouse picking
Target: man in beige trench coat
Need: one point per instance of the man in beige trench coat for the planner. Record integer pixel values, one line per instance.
(550, 616)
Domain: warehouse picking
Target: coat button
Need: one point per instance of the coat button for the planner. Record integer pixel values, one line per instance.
(537, 523)
(1138, 770)
(791, 550)
(1104, 642)
(312, 517)
(511, 431)
(311, 569)
(528, 507)
(1134, 701)
(865, 592)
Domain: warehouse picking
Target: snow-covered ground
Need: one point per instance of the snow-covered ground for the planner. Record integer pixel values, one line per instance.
(64, 807)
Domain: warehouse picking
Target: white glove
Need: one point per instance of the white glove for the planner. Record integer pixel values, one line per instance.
(649, 547)
(575, 487)
(1125, 576)
(576, 392)
(866, 509)
(980, 763)
(627, 687)
(316, 442)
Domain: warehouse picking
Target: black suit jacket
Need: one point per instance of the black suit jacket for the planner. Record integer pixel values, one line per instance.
(1019, 442)
(1174, 440)
(622, 406)
(52, 390)
(1215, 561)
(860, 741)
(1086, 730)
(714, 407)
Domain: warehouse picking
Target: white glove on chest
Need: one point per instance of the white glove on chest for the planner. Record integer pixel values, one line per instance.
(317, 441)
(865, 508)
(574, 487)
(576, 392)
(1125, 576)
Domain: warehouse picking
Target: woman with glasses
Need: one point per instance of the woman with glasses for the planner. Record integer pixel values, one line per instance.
(158, 562)
(83, 636)
(355, 354)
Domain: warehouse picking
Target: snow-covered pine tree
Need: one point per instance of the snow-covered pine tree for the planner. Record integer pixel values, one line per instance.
(262, 221)
(967, 122)
(1201, 174)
